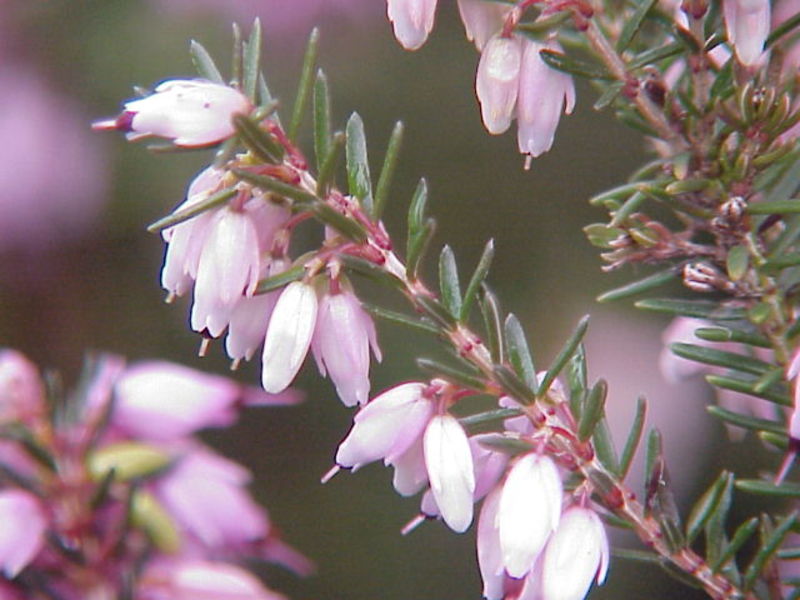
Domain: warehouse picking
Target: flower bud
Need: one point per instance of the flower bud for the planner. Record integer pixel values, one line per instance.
(189, 112)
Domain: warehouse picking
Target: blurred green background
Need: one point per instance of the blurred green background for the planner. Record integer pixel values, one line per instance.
(66, 289)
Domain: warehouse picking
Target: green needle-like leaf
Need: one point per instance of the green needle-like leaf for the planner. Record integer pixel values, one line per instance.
(562, 62)
(250, 61)
(593, 410)
(322, 118)
(742, 534)
(706, 506)
(768, 548)
(493, 325)
(475, 282)
(634, 437)
(640, 286)
(519, 355)
(359, 183)
(305, 84)
(281, 279)
(566, 353)
(204, 63)
(270, 184)
(257, 140)
(327, 171)
(180, 216)
(633, 24)
(387, 171)
(449, 286)
(452, 374)
(400, 318)
(721, 358)
(746, 421)
(701, 309)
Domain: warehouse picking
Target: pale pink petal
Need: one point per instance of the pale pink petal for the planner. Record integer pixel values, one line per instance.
(747, 23)
(410, 473)
(22, 533)
(530, 506)
(412, 21)
(482, 19)
(291, 327)
(490, 554)
(21, 388)
(497, 82)
(448, 459)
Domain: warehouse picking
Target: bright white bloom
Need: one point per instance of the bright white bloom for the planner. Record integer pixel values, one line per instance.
(189, 112)
(543, 94)
(412, 21)
(22, 532)
(448, 459)
(387, 426)
(185, 240)
(288, 336)
(497, 82)
(576, 553)
(490, 554)
(341, 343)
(530, 507)
(747, 23)
(228, 269)
(482, 19)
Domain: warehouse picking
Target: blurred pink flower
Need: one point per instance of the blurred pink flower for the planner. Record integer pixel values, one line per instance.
(53, 175)
(21, 389)
(22, 532)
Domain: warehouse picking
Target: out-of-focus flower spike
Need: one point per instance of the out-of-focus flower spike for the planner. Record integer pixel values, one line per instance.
(576, 554)
(543, 94)
(497, 82)
(412, 21)
(189, 112)
(448, 459)
(162, 401)
(21, 389)
(747, 23)
(289, 334)
(22, 533)
(482, 19)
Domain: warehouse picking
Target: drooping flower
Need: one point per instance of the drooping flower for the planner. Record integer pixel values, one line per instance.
(22, 533)
(490, 553)
(342, 338)
(576, 554)
(189, 112)
(185, 240)
(544, 93)
(529, 511)
(387, 426)
(482, 19)
(448, 460)
(289, 333)
(412, 21)
(228, 269)
(747, 23)
(497, 82)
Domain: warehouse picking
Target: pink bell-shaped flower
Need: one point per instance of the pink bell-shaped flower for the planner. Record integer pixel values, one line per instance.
(576, 554)
(387, 426)
(189, 112)
(497, 82)
(448, 459)
(543, 94)
(529, 511)
(291, 327)
(410, 473)
(412, 21)
(490, 553)
(185, 240)
(747, 23)
(228, 269)
(21, 389)
(482, 19)
(22, 532)
(342, 338)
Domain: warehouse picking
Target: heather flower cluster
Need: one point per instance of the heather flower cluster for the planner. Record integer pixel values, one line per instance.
(536, 462)
(108, 493)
